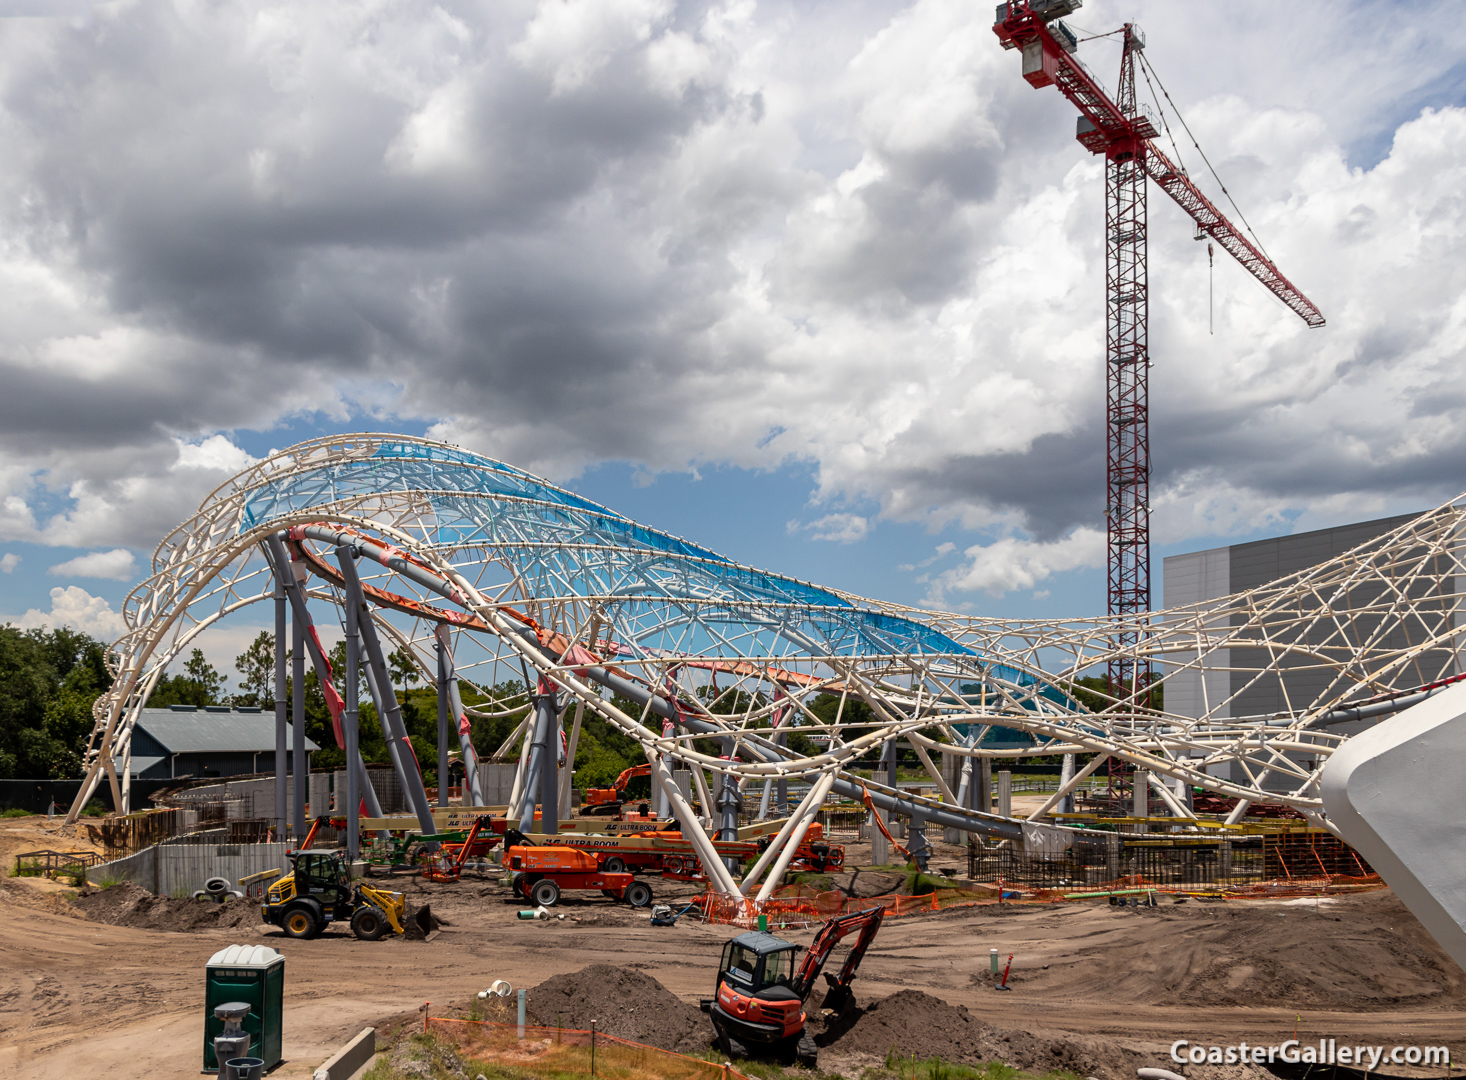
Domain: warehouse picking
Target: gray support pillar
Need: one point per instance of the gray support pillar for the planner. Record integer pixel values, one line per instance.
(299, 763)
(887, 773)
(379, 680)
(730, 801)
(550, 769)
(984, 793)
(349, 716)
(322, 664)
(534, 773)
(1140, 799)
(282, 800)
(473, 788)
(1066, 773)
(917, 843)
(1005, 794)
(444, 709)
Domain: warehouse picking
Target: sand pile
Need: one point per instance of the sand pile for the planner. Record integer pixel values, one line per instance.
(1297, 955)
(625, 1003)
(908, 1022)
(127, 904)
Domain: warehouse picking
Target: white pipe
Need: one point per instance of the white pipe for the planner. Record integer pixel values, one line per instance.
(1168, 797)
(567, 777)
(704, 796)
(776, 845)
(811, 804)
(1064, 789)
(516, 793)
(763, 803)
(936, 774)
(712, 863)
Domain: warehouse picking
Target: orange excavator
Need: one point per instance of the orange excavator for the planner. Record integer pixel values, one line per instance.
(606, 802)
(760, 996)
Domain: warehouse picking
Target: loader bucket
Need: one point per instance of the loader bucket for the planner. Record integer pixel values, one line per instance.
(421, 926)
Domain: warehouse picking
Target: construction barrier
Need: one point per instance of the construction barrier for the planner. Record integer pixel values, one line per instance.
(568, 1050)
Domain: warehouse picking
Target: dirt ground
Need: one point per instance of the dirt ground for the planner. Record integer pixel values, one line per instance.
(1096, 989)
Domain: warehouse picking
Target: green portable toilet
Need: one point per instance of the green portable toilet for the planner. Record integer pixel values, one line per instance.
(247, 973)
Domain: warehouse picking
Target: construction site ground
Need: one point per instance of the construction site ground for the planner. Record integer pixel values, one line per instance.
(1096, 989)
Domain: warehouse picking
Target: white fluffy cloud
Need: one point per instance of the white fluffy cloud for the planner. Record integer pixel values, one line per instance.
(117, 565)
(73, 606)
(841, 528)
(8, 562)
(565, 232)
(1010, 563)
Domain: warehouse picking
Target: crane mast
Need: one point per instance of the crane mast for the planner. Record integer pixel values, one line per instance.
(1118, 128)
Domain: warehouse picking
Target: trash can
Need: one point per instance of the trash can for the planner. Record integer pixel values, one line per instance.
(253, 975)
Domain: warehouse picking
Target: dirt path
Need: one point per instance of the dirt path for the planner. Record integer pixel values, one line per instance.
(75, 994)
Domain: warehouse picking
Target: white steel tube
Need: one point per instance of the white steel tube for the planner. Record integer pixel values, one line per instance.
(777, 844)
(811, 804)
(1069, 787)
(711, 862)
(567, 777)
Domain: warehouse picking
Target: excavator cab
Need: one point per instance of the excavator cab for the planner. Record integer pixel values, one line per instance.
(756, 999)
(761, 992)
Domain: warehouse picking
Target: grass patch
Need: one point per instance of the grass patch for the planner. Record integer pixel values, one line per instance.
(15, 811)
(29, 868)
(904, 1067)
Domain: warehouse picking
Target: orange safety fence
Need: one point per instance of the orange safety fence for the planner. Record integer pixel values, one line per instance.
(570, 1050)
(798, 907)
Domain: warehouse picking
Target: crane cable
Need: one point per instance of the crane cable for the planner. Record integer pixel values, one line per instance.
(1146, 67)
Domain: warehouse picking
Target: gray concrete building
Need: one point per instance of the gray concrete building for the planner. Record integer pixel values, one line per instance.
(1230, 686)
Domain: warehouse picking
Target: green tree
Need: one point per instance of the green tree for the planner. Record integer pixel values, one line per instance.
(49, 680)
(199, 685)
(256, 667)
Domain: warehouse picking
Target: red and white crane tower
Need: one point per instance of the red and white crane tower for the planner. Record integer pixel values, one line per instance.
(1122, 132)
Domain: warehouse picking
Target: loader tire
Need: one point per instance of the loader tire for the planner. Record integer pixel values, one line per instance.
(369, 923)
(615, 865)
(300, 922)
(545, 893)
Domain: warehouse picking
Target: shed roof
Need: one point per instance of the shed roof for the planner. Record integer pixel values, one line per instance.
(200, 731)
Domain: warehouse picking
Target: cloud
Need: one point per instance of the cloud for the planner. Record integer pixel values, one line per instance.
(73, 606)
(1011, 563)
(841, 528)
(8, 562)
(117, 565)
(677, 234)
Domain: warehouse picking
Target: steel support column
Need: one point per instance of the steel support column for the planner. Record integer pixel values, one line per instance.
(349, 717)
(282, 773)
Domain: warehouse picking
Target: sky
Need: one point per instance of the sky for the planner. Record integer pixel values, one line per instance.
(817, 284)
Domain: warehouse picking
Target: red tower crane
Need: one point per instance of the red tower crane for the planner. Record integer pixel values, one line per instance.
(1122, 132)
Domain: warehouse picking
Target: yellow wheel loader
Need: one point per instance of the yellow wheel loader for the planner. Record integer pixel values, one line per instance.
(318, 891)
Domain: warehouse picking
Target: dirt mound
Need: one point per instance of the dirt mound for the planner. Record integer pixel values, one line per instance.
(131, 905)
(625, 1003)
(910, 1024)
(1378, 956)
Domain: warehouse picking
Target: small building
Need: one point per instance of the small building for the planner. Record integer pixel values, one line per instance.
(187, 741)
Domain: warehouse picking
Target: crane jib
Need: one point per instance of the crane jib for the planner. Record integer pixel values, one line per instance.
(1104, 128)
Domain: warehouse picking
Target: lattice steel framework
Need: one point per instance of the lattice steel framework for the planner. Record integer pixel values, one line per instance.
(532, 576)
(1127, 367)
